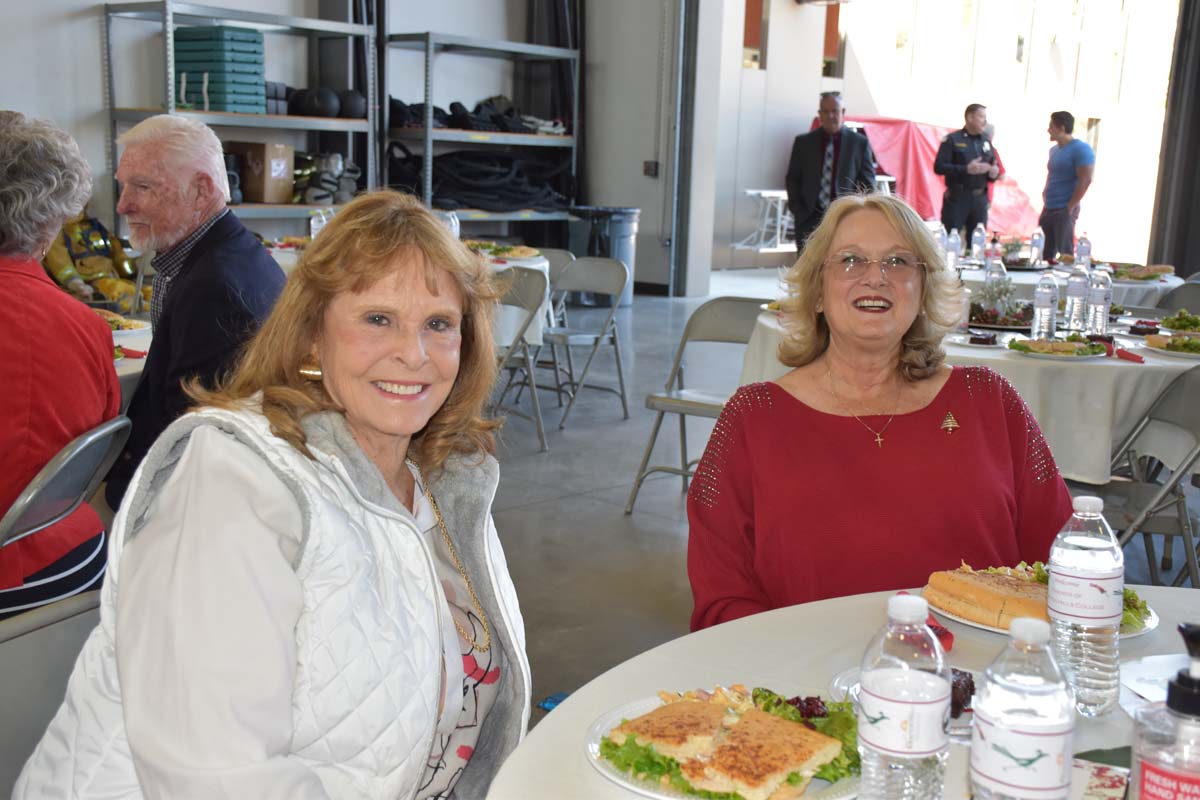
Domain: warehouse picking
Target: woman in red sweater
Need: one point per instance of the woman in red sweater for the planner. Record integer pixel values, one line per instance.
(57, 357)
(872, 463)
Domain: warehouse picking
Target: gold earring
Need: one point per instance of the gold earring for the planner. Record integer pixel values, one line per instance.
(310, 370)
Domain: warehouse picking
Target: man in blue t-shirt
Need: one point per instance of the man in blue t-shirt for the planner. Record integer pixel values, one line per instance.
(1069, 174)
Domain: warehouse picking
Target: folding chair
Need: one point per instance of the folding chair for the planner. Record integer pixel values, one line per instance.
(70, 478)
(604, 276)
(560, 262)
(38, 650)
(724, 319)
(526, 291)
(1184, 296)
(1142, 505)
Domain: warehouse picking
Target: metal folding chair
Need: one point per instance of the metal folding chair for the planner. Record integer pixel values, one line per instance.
(560, 262)
(526, 291)
(70, 478)
(603, 276)
(724, 319)
(1141, 504)
(1184, 296)
(38, 650)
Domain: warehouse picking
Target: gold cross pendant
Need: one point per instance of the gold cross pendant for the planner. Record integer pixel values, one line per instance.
(879, 440)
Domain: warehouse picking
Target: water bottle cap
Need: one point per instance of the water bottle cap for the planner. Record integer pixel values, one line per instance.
(907, 608)
(1030, 630)
(1087, 505)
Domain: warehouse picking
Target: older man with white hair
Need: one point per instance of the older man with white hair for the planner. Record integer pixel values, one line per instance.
(214, 281)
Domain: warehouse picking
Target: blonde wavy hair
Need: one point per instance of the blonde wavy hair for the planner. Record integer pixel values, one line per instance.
(361, 245)
(807, 332)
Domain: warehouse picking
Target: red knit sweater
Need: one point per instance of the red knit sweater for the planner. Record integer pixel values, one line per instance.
(56, 363)
(790, 504)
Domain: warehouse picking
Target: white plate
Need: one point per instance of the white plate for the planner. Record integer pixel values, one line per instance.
(1060, 356)
(964, 340)
(1151, 623)
(845, 789)
(1158, 351)
(1173, 331)
(140, 327)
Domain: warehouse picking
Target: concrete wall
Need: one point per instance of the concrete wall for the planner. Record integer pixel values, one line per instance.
(761, 112)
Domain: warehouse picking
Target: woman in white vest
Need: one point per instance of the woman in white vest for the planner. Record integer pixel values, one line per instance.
(306, 595)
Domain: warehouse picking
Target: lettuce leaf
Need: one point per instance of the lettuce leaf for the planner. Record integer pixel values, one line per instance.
(1135, 611)
(644, 762)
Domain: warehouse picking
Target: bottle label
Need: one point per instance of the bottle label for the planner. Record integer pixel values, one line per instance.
(1084, 597)
(1078, 289)
(1160, 783)
(1022, 762)
(903, 712)
(1099, 296)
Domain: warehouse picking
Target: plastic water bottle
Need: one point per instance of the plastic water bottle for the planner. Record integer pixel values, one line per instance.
(978, 241)
(964, 308)
(1023, 723)
(1085, 600)
(1045, 307)
(1099, 301)
(939, 235)
(953, 248)
(1083, 251)
(994, 273)
(1037, 243)
(1077, 292)
(903, 707)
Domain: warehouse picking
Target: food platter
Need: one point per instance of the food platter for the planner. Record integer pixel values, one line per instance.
(1014, 328)
(845, 789)
(1061, 356)
(1159, 351)
(1151, 623)
(137, 328)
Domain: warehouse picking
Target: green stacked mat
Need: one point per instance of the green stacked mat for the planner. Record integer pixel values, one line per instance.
(230, 59)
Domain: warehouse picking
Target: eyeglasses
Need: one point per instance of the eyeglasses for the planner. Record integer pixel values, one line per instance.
(852, 266)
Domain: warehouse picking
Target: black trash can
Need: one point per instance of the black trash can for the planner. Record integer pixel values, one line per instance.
(612, 233)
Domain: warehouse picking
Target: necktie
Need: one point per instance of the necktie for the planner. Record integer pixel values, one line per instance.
(826, 176)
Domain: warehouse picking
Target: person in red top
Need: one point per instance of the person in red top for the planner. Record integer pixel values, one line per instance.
(872, 463)
(59, 380)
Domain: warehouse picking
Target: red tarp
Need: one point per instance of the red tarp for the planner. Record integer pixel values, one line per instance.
(906, 150)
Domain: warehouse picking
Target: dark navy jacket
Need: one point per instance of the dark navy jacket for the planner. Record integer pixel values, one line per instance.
(215, 305)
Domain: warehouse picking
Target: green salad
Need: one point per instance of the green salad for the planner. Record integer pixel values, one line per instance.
(1183, 321)
(840, 723)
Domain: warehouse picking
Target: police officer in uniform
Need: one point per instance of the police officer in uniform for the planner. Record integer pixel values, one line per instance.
(967, 160)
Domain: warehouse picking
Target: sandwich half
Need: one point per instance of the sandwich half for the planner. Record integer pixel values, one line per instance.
(988, 598)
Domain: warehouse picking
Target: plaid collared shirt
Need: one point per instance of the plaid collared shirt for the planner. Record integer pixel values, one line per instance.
(169, 264)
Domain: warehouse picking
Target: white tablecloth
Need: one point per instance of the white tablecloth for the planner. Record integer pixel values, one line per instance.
(1125, 293)
(793, 650)
(1084, 408)
(129, 370)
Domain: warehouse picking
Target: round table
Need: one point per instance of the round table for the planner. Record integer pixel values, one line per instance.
(1085, 407)
(1125, 293)
(794, 650)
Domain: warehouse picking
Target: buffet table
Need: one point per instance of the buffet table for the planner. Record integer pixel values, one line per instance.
(1125, 293)
(1084, 407)
(795, 650)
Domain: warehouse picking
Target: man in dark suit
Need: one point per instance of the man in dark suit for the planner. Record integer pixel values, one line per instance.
(829, 161)
(214, 282)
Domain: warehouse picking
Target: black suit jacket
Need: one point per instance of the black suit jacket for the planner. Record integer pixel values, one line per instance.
(225, 291)
(855, 172)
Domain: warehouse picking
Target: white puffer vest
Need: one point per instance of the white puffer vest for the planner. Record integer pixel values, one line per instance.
(365, 699)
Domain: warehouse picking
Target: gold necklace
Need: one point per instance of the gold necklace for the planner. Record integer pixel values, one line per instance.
(842, 403)
(487, 631)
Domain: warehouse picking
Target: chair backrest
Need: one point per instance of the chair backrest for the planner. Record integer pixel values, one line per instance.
(527, 291)
(38, 650)
(595, 274)
(560, 262)
(1179, 403)
(722, 319)
(70, 478)
(1185, 296)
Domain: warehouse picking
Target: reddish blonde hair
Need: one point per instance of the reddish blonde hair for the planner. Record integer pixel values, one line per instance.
(362, 244)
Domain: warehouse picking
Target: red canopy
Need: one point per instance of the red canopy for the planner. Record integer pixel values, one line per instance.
(906, 150)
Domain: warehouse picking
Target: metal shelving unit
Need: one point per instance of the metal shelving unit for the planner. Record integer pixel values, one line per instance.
(432, 44)
(169, 13)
